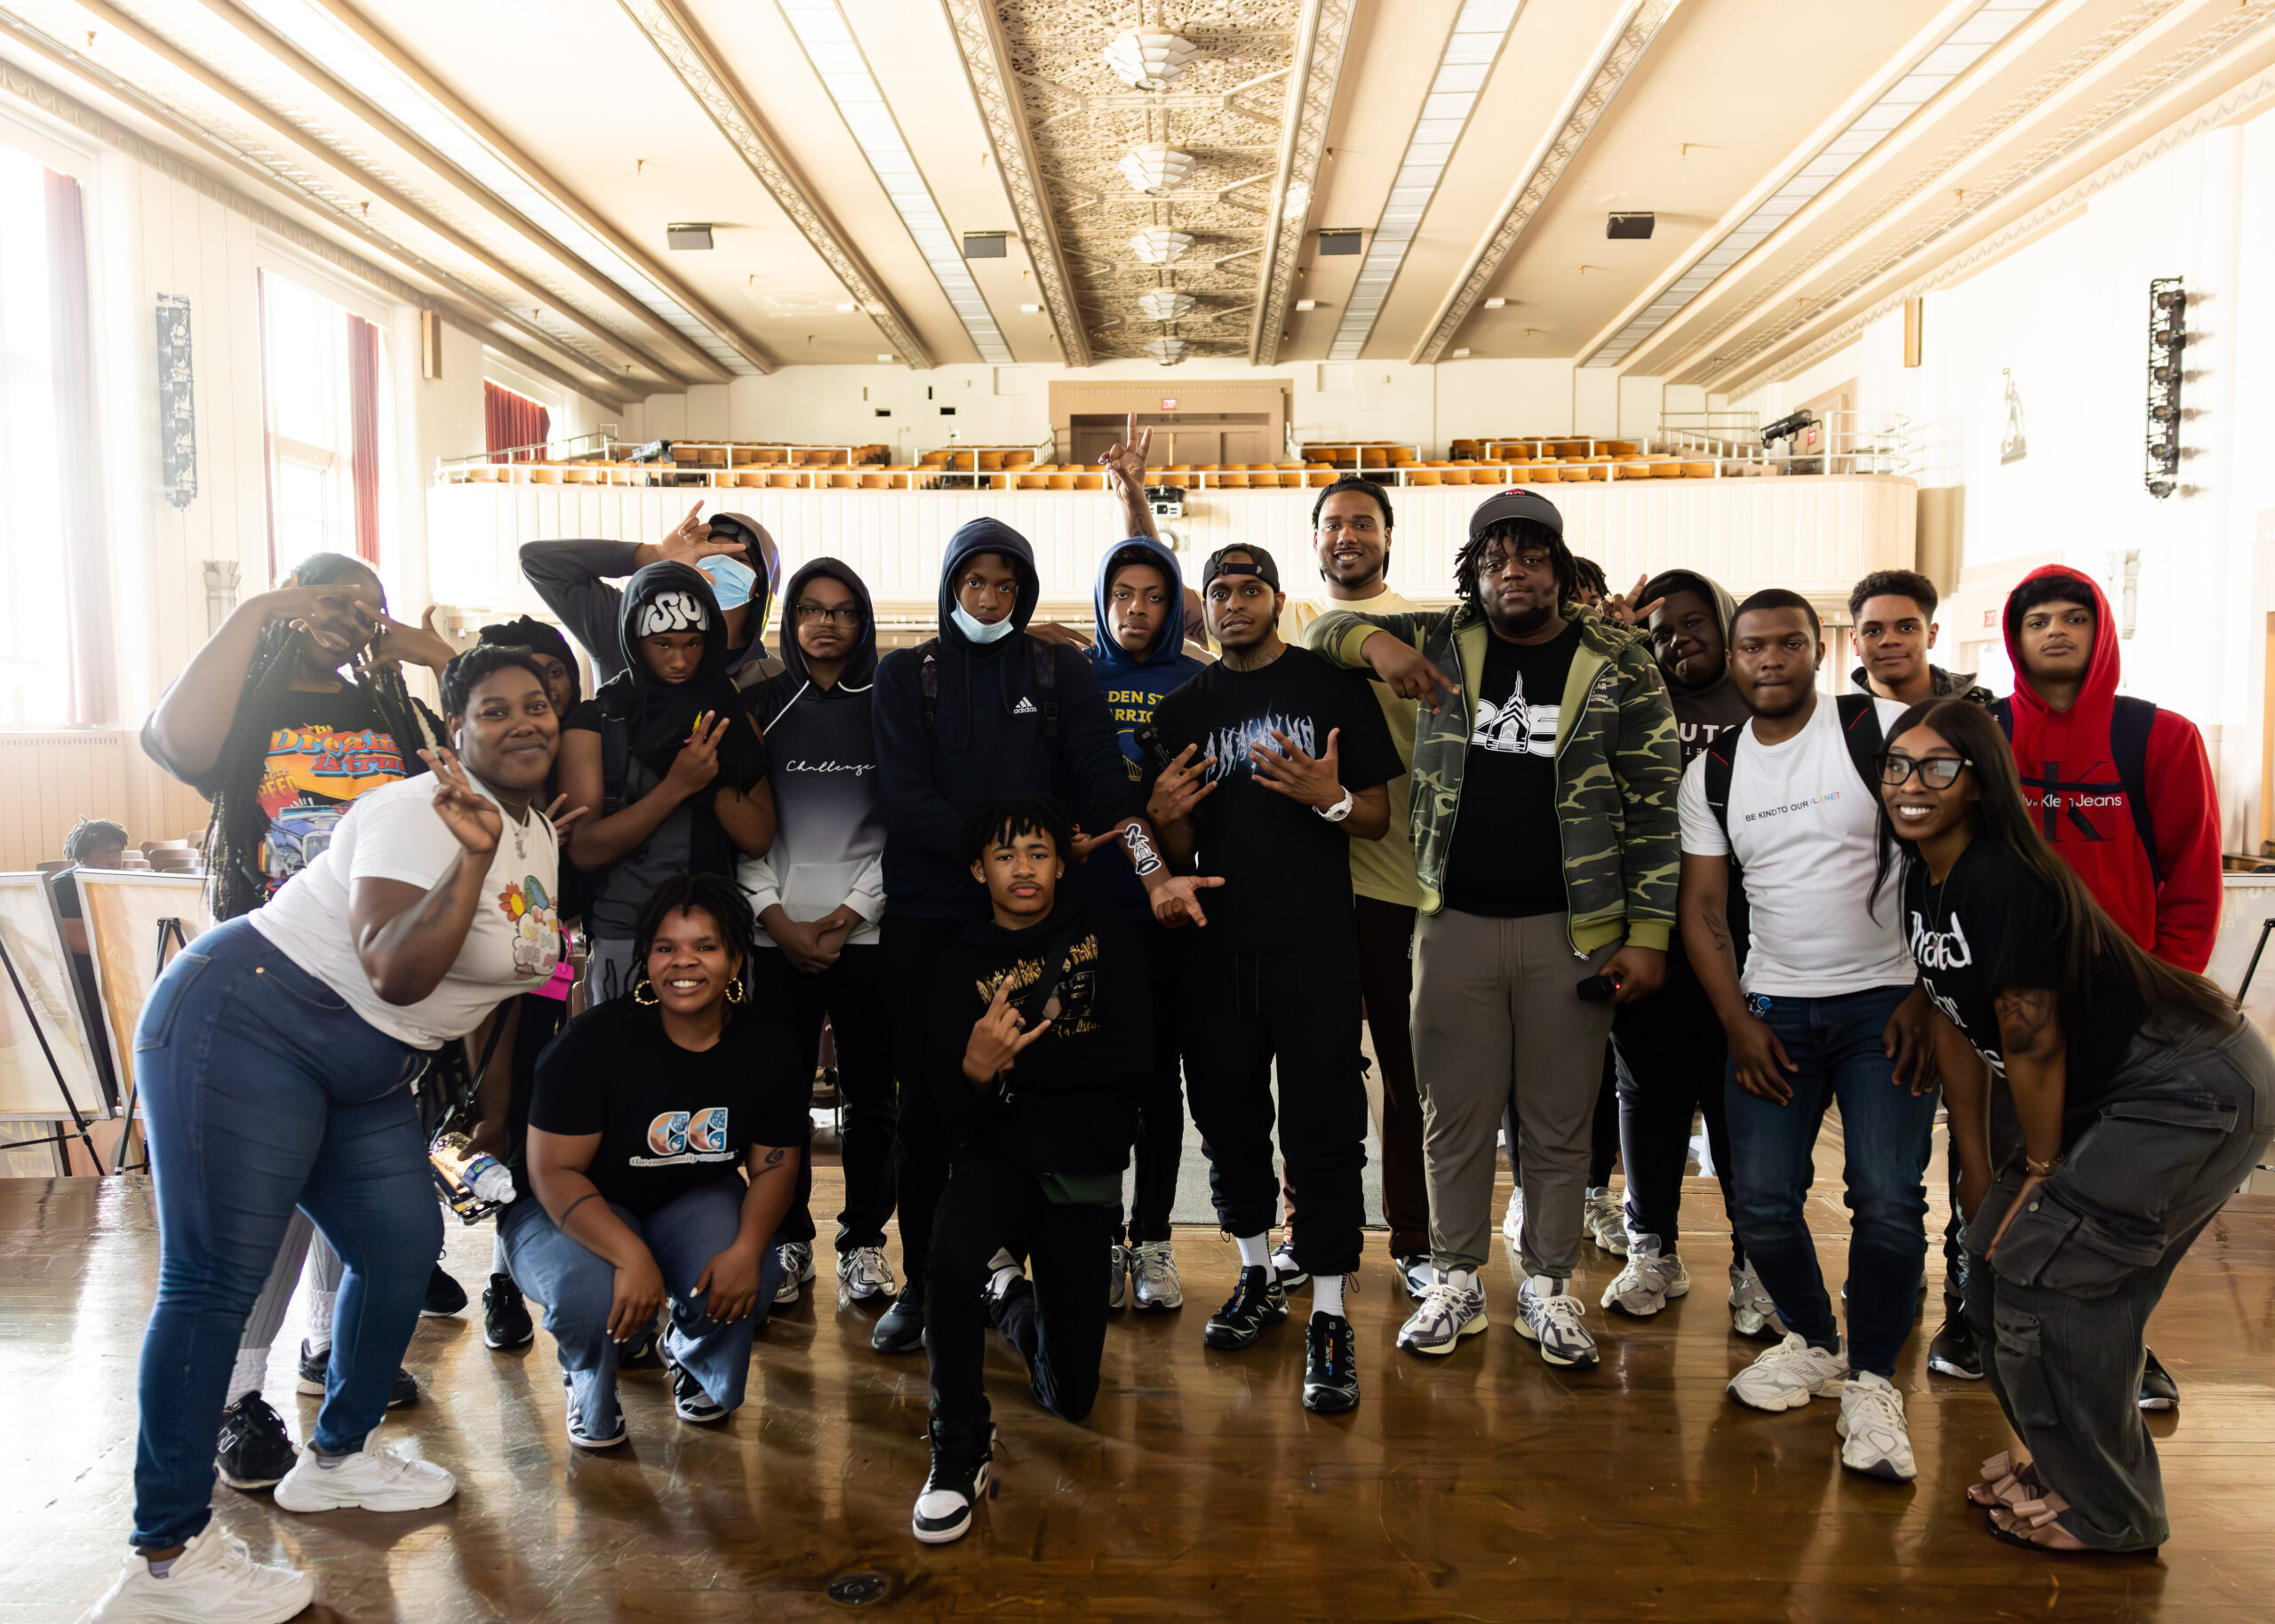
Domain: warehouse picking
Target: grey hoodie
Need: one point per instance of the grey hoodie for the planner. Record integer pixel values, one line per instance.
(1701, 714)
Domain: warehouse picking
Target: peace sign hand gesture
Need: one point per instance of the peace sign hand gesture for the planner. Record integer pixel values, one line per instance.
(997, 1037)
(1125, 461)
(1179, 788)
(1316, 781)
(697, 761)
(470, 815)
(1626, 607)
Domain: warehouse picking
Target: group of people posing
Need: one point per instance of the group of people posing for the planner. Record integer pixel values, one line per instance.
(1590, 866)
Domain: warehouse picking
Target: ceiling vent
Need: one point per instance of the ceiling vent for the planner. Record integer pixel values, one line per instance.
(987, 244)
(688, 234)
(1333, 243)
(1632, 225)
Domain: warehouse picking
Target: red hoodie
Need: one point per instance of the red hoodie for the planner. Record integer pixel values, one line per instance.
(2071, 751)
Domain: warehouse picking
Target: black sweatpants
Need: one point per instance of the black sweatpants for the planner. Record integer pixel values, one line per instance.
(1671, 1054)
(911, 949)
(851, 996)
(1059, 1328)
(1161, 1134)
(1238, 1014)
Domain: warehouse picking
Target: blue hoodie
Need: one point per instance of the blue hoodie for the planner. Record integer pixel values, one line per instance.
(1134, 685)
(986, 738)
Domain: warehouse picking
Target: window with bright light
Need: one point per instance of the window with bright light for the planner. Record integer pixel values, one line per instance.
(35, 626)
(326, 401)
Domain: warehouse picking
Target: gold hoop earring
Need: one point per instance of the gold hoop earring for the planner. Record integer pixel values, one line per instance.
(653, 998)
(735, 989)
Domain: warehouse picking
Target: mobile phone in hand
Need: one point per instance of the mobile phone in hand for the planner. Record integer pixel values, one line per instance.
(1596, 989)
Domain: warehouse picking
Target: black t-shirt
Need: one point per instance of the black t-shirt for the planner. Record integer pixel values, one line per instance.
(1993, 924)
(1507, 856)
(670, 1119)
(1287, 869)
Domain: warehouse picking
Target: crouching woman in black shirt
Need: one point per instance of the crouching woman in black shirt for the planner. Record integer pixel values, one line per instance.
(2144, 1098)
(643, 1108)
(1041, 1043)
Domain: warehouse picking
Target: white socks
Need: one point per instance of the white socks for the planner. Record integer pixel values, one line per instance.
(251, 1369)
(1256, 1251)
(320, 1301)
(1327, 1295)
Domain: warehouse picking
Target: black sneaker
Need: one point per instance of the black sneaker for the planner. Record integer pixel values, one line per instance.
(593, 1432)
(690, 1401)
(951, 1489)
(1954, 1351)
(1285, 1268)
(1331, 1367)
(444, 1296)
(2158, 1390)
(255, 1451)
(505, 1317)
(1257, 1301)
(900, 1328)
(1415, 1273)
(315, 1362)
(643, 1351)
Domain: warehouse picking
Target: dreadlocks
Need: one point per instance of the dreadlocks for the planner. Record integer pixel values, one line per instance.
(239, 827)
(1515, 535)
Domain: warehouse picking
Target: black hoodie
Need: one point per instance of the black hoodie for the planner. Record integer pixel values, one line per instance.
(572, 578)
(1701, 714)
(986, 738)
(821, 754)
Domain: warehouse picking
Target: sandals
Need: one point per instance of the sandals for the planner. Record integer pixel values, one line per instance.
(2004, 1483)
(2031, 1518)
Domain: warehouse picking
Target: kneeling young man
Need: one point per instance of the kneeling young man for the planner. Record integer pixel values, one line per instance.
(1041, 1043)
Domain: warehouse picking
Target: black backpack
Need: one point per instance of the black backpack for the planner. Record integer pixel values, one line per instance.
(1042, 668)
(2130, 723)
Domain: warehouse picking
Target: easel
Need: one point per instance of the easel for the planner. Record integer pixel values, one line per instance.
(62, 1136)
(2266, 929)
(170, 933)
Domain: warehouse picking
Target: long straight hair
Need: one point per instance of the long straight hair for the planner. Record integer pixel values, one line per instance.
(2093, 944)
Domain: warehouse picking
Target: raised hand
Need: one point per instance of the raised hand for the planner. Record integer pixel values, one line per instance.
(1404, 670)
(1626, 607)
(1316, 781)
(1125, 461)
(560, 820)
(1176, 901)
(422, 644)
(697, 761)
(998, 1037)
(690, 539)
(1182, 786)
(472, 818)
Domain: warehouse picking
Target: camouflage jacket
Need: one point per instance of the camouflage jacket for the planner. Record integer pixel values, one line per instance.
(1618, 766)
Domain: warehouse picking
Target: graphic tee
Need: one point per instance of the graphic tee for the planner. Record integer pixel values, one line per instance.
(395, 833)
(670, 1119)
(1384, 869)
(1805, 828)
(1506, 860)
(1994, 924)
(1287, 869)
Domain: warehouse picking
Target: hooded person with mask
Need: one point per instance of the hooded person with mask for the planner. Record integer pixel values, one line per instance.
(665, 762)
(737, 552)
(981, 712)
(817, 895)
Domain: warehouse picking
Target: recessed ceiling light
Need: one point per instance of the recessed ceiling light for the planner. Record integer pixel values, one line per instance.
(1030, 309)
(1495, 303)
(1307, 304)
(888, 358)
(1461, 354)
(844, 305)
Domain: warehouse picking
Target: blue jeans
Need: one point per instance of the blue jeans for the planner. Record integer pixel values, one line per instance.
(1836, 1043)
(578, 1287)
(265, 1091)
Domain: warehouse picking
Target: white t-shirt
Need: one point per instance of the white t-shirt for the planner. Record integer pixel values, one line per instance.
(394, 833)
(1805, 829)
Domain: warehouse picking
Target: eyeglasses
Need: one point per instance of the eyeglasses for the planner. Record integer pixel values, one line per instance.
(843, 614)
(1937, 772)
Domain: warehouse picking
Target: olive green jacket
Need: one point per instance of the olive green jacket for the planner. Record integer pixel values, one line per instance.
(1618, 766)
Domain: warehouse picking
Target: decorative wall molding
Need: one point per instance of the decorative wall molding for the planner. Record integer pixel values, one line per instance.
(1325, 30)
(1582, 113)
(689, 55)
(979, 38)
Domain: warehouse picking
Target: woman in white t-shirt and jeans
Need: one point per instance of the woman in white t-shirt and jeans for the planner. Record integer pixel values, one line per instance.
(274, 1058)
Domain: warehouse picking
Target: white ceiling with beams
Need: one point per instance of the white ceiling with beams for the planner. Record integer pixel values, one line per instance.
(1154, 177)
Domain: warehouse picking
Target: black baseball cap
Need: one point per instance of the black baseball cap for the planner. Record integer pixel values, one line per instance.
(1507, 505)
(1263, 568)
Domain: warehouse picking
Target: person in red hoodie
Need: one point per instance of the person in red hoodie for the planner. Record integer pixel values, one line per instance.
(2121, 789)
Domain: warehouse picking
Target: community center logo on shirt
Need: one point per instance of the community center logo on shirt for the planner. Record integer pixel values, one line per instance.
(307, 781)
(1514, 728)
(678, 1137)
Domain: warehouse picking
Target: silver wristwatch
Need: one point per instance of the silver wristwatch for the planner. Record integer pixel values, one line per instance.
(1337, 813)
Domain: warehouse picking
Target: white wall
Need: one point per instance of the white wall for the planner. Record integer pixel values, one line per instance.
(2067, 316)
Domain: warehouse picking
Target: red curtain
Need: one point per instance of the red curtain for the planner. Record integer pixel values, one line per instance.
(87, 567)
(363, 426)
(512, 420)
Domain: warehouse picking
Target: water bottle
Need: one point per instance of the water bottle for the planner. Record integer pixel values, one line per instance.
(472, 1182)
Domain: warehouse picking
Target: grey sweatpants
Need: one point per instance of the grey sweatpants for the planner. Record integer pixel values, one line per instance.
(1495, 1016)
(2061, 1308)
(301, 1241)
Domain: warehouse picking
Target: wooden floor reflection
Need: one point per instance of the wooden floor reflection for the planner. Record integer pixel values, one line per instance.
(1482, 1486)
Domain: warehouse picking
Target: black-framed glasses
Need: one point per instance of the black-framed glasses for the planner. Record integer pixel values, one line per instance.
(842, 614)
(1937, 772)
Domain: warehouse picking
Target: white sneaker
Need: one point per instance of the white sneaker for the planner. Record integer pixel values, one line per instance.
(1117, 1280)
(1874, 1439)
(1752, 1312)
(1648, 1284)
(1158, 1286)
(797, 1269)
(1453, 1306)
(1549, 1315)
(376, 1479)
(1512, 1223)
(1789, 1375)
(863, 1273)
(1285, 1268)
(1606, 1219)
(214, 1581)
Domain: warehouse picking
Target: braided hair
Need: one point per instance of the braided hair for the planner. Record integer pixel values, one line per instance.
(238, 828)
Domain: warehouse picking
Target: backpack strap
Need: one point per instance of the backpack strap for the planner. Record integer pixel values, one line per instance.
(2130, 723)
(616, 763)
(1042, 662)
(1721, 761)
(928, 678)
(2002, 712)
(1860, 729)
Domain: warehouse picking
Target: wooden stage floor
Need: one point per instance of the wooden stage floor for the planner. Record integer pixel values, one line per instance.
(1483, 1485)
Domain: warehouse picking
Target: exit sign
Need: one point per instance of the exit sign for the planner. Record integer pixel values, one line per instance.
(1168, 405)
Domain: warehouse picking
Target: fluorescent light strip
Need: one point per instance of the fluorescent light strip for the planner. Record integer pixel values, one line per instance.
(1962, 49)
(837, 58)
(1468, 57)
(354, 63)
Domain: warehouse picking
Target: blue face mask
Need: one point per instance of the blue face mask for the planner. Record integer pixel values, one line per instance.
(977, 632)
(731, 579)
